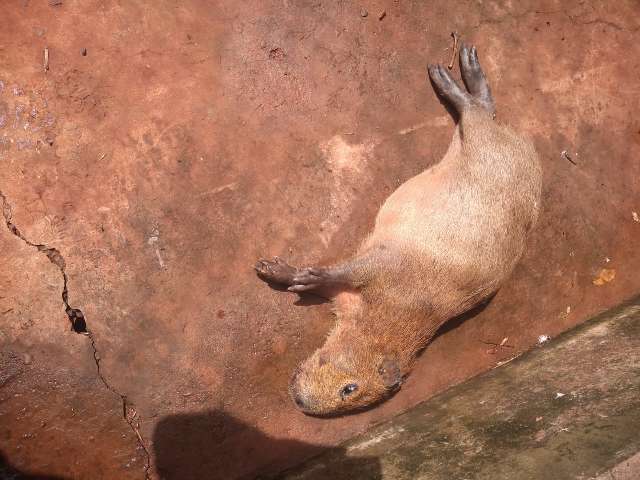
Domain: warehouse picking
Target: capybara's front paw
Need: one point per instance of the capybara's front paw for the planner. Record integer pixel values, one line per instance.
(276, 270)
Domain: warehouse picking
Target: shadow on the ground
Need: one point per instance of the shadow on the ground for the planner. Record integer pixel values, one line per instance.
(213, 445)
(8, 472)
(455, 322)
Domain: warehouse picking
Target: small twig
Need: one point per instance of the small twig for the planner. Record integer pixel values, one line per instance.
(564, 154)
(46, 59)
(497, 344)
(455, 49)
(495, 347)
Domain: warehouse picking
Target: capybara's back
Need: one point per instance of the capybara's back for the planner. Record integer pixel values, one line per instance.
(464, 222)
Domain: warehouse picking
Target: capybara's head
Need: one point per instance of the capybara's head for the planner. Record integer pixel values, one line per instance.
(337, 380)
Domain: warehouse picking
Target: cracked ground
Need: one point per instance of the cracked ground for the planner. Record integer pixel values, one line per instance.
(171, 144)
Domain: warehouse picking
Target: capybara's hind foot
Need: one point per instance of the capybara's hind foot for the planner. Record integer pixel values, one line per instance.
(276, 271)
(474, 78)
(448, 89)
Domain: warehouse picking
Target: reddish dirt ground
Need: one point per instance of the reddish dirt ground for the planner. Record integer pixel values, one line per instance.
(171, 144)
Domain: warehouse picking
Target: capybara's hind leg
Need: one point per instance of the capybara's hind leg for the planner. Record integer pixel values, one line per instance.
(474, 78)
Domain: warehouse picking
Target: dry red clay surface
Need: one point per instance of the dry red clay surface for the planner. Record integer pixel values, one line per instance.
(171, 144)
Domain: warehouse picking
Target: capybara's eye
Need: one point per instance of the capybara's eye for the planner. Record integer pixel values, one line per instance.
(348, 390)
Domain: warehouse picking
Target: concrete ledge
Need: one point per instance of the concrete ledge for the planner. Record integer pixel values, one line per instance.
(567, 410)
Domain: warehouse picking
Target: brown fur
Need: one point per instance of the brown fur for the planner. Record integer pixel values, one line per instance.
(443, 242)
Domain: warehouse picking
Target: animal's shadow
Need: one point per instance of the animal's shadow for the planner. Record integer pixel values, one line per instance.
(455, 322)
(304, 298)
(213, 445)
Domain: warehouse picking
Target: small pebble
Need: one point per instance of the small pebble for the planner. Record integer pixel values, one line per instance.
(84, 52)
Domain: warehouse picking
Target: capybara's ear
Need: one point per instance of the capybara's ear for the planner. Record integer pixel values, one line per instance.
(389, 370)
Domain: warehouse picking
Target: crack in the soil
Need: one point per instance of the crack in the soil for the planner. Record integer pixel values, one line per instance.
(75, 315)
(79, 325)
(129, 412)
